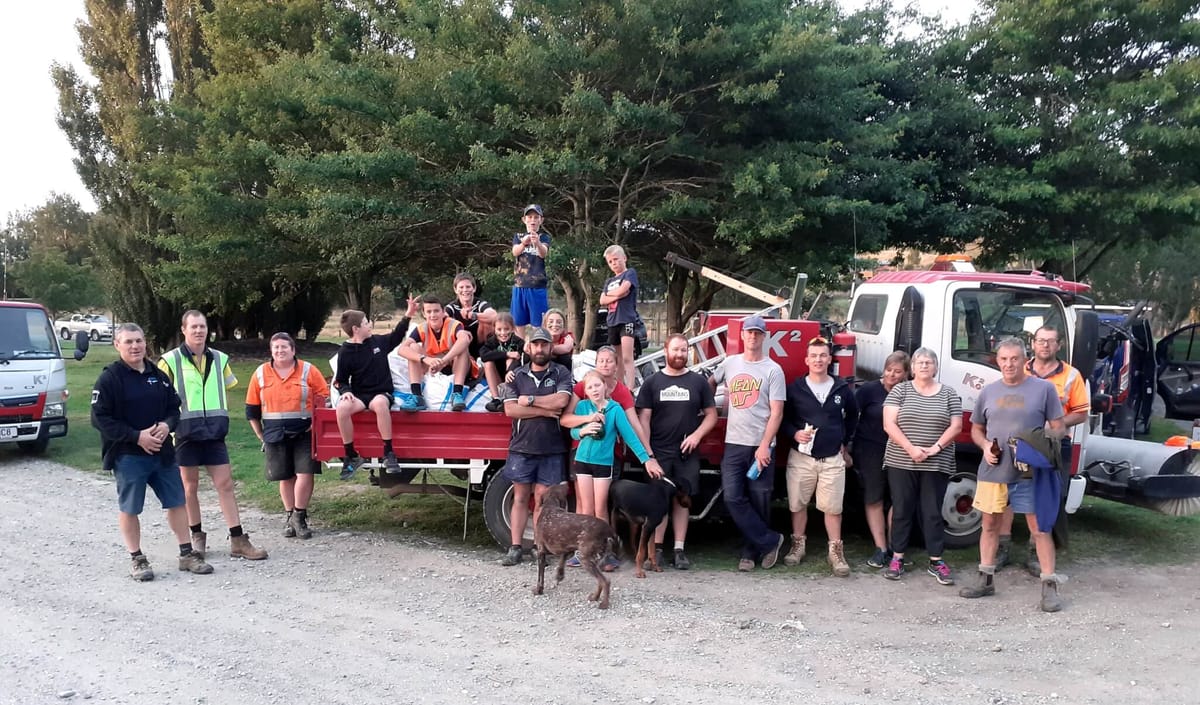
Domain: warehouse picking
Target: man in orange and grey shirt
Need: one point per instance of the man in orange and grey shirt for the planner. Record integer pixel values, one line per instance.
(279, 404)
(1072, 392)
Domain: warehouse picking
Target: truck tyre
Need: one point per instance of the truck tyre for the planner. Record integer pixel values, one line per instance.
(964, 523)
(65, 333)
(497, 505)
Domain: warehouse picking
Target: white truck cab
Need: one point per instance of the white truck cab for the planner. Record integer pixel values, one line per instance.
(33, 377)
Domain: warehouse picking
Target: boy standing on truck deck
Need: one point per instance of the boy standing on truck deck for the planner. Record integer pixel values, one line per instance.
(530, 250)
(135, 408)
(202, 376)
(756, 392)
(534, 400)
(440, 345)
(819, 421)
(1072, 393)
(1005, 408)
(364, 381)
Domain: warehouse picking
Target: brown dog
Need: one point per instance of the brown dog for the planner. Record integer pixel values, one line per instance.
(563, 533)
(644, 505)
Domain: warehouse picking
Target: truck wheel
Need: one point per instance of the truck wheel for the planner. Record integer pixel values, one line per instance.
(65, 333)
(964, 523)
(497, 505)
(34, 447)
(95, 335)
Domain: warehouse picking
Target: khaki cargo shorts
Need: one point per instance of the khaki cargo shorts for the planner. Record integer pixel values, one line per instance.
(824, 477)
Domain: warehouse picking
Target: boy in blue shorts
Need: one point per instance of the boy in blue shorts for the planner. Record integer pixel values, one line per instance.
(530, 249)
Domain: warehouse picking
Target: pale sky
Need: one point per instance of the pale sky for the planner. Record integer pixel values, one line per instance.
(36, 155)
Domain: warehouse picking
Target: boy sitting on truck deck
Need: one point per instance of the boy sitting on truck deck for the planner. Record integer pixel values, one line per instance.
(364, 381)
(502, 353)
(438, 346)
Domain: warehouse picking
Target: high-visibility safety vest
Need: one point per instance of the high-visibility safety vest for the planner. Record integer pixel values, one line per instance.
(203, 411)
(286, 409)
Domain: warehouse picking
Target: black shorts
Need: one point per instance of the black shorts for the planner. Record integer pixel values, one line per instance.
(592, 470)
(868, 466)
(193, 454)
(682, 470)
(621, 330)
(290, 457)
(366, 397)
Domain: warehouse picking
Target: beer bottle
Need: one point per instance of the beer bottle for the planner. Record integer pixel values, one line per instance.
(995, 449)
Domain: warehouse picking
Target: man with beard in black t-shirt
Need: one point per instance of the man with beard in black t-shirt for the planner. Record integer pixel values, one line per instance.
(677, 407)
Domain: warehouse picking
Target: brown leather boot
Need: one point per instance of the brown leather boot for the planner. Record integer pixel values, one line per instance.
(837, 559)
(199, 542)
(240, 547)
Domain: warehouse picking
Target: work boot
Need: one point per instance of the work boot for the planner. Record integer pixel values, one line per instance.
(390, 463)
(194, 563)
(681, 560)
(299, 525)
(1002, 551)
(240, 547)
(1032, 564)
(984, 586)
(1051, 602)
(795, 554)
(289, 531)
(199, 542)
(140, 570)
(837, 559)
(511, 558)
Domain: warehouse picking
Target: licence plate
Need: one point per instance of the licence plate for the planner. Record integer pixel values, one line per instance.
(8, 433)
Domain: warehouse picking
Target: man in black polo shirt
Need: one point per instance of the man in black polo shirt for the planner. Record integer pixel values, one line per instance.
(534, 400)
(135, 408)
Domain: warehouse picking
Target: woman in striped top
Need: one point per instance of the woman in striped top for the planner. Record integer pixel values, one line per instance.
(922, 419)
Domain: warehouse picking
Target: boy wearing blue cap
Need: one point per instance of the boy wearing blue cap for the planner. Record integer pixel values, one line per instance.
(530, 249)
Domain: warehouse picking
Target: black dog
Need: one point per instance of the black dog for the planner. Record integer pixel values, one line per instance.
(645, 505)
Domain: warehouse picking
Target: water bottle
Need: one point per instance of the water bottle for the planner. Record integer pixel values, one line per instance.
(755, 470)
(1075, 492)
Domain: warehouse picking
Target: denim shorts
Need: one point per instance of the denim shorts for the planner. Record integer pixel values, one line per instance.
(543, 469)
(1020, 497)
(135, 472)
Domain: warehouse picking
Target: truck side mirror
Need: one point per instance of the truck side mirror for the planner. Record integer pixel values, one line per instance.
(81, 344)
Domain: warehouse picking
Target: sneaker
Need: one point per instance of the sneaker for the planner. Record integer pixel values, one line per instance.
(895, 569)
(772, 557)
(610, 563)
(350, 465)
(513, 556)
(390, 464)
(200, 542)
(941, 572)
(411, 402)
(837, 559)
(299, 525)
(681, 560)
(878, 559)
(745, 565)
(1002, 551)
(240, 547)
(984, 586)
(140, 570)
(194, 563)
(573, 561)
(795, 554)
(289, 531)
(658, 560)
(457, 402)
(1051, 602)
(494, 405)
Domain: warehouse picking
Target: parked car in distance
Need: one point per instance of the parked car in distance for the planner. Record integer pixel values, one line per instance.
(97, 326)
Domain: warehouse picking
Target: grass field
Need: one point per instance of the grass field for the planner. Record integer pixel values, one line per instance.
(1101, 530)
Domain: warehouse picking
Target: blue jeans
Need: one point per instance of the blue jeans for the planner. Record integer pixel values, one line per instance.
(749, 501)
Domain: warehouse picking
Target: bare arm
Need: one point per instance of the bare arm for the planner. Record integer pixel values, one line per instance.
(979, 438)
(692, 440)
(411, 350)
(620, 292)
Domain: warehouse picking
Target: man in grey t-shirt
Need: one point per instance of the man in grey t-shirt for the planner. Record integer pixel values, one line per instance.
(1015, 404)
(756, 391)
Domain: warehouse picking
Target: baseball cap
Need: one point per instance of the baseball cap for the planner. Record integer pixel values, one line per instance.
(540, 334)
(532, 207)
(754, 323)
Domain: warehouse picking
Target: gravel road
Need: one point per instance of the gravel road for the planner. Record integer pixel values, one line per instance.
(361, 618)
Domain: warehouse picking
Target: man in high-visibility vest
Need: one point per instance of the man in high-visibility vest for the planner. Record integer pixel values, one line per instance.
(201, 377)
(1072, 392)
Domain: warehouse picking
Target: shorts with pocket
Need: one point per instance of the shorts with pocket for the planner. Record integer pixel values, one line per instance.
(290, 457)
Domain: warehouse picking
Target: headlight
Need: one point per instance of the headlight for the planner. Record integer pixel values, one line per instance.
(54, 409)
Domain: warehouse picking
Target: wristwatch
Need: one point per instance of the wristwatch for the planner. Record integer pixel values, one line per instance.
(529, 400)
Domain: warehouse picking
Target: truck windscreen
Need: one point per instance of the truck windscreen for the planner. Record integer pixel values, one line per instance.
(26, 333)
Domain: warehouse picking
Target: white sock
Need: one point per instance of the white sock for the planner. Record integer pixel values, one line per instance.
(678, 545)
